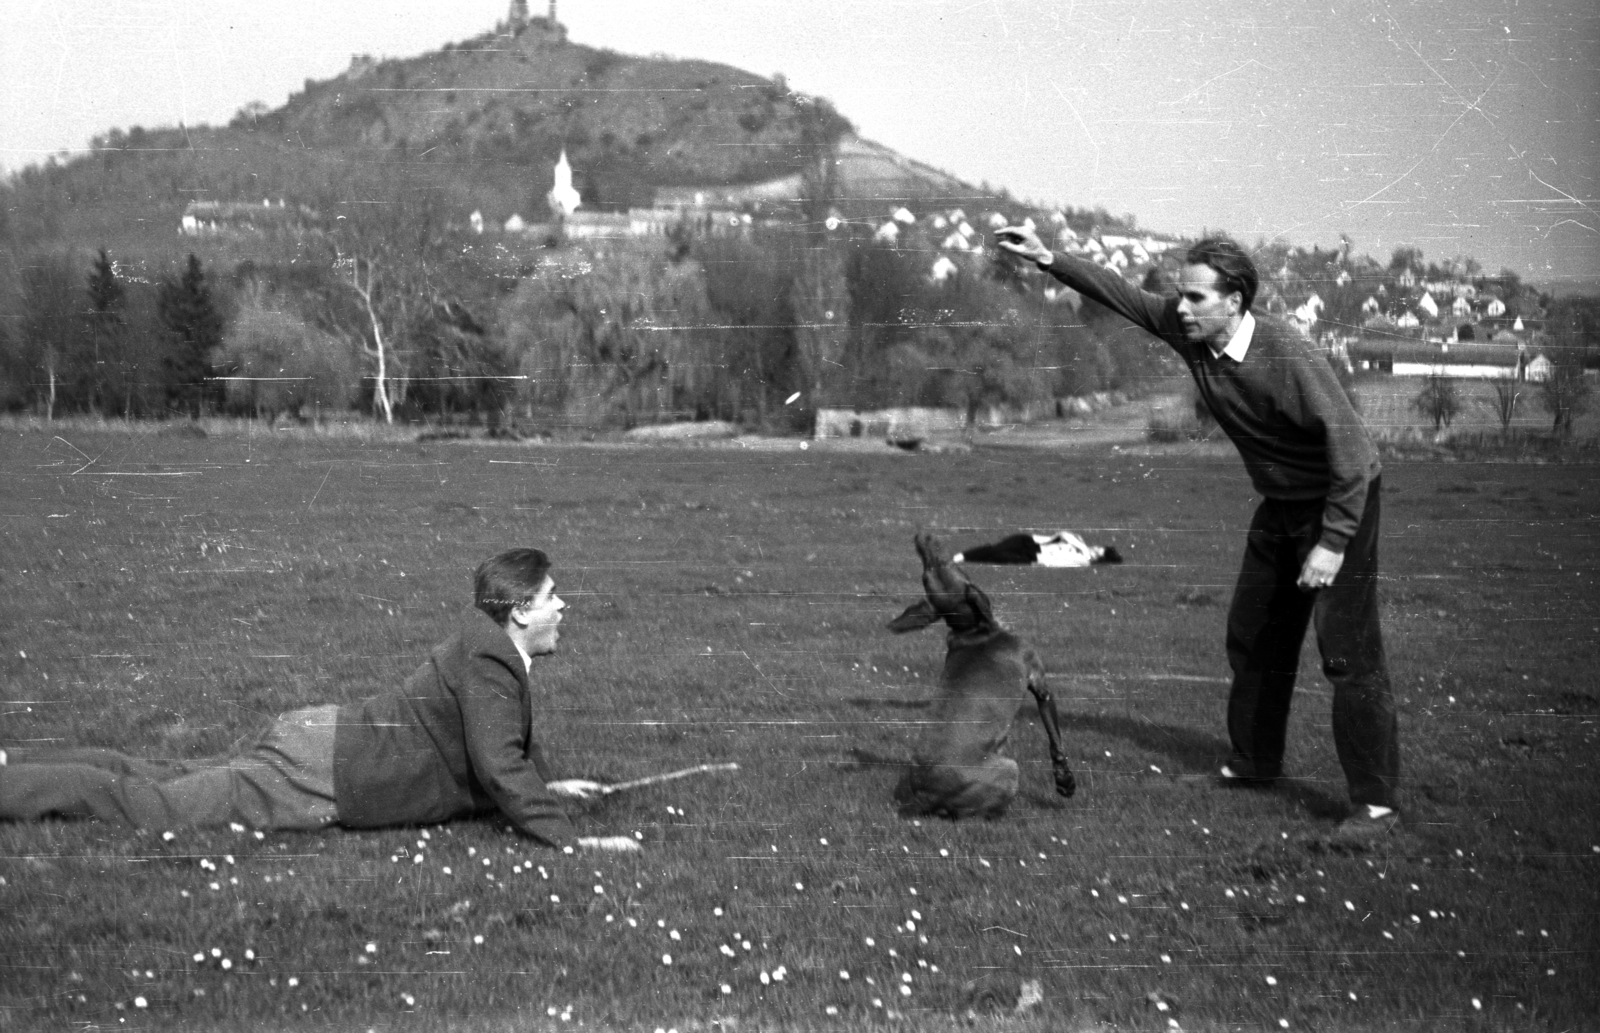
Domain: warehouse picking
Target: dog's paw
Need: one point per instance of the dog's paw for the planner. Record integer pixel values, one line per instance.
(1066, 785)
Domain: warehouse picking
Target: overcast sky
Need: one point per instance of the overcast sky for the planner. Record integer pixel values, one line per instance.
(1457, 126)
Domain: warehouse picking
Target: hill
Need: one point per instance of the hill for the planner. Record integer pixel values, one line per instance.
(475, 126)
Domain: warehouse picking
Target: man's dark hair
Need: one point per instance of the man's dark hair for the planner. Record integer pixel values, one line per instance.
(504, 582)
(1235, 270)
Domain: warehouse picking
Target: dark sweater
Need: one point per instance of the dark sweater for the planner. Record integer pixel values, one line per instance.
(456, 740)
(1295, 429)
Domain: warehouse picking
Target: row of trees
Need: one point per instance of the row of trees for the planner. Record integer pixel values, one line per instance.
(635, 332)
(1564, 394)
(91, 341)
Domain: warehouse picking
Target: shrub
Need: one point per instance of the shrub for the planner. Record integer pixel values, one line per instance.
(278, 363)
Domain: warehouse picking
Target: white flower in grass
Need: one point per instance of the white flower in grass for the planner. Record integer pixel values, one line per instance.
(140, 1002)
(1348, 906)
(633, 923)
(844, 975)
(673, 936)
(765, 978)
(551, 1011)
(666, 959)
(726, 951)
(411, 1002)
(446, 869)
(1353, 996)
(1477, 1005)
(599, 889)
(216, 952)
(877, 1002)
(726, 989)
(799, 885)
(779, 973)
(717, 911)
(831, 1010)
(372, 948)
(478, 940)
(234, 826)
(905, 991)
(824, 842)
(227, 963)
(1166, 959)
(1272, 980)
(1284, 1023)
(555, 898)
(871, 942)
(294, 981)
(168, 837)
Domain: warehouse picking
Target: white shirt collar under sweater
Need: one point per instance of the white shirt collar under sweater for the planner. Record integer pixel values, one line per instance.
(527, 661)
(1239, 343)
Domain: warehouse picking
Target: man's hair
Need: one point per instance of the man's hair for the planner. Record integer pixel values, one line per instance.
(1235, 270)
(504, 582)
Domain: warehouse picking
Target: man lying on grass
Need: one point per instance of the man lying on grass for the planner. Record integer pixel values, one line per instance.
(455, 740)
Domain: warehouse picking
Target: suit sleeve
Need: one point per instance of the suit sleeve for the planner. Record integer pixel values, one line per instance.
(494, 724)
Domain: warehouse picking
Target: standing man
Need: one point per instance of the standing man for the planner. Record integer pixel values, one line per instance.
(1312, 551)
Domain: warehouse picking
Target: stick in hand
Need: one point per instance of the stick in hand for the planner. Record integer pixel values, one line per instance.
(582, 789)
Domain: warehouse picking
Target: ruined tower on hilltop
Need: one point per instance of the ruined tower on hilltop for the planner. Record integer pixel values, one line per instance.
(517, 17)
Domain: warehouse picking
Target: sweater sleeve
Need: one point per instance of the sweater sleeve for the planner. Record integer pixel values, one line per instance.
(493, 724)
(1351, 456)
(1148, 311)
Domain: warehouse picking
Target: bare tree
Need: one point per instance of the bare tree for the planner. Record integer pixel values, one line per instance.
(1507, 393)
(1565, 392)
(1438, 401)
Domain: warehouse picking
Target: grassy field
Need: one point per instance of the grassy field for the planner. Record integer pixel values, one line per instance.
(168, 596)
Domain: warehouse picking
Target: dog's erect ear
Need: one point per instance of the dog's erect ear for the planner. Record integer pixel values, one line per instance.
(917, 616)
(980, 604)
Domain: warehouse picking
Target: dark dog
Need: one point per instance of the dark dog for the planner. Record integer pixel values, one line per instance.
(956, 769)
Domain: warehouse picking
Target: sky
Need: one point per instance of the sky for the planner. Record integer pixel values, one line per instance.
(1461, 127)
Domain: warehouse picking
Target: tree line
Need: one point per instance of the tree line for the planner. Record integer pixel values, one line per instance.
(405, 319)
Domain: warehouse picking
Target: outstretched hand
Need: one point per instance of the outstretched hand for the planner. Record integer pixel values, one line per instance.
(576, 789)
(612, 844)
(1023, 242)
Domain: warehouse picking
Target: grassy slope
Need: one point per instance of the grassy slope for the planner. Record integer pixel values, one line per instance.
(730, 605)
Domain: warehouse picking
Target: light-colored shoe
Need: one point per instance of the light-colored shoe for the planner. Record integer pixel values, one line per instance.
(1371, 827)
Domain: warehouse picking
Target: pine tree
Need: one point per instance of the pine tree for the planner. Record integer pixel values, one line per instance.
(106, 297)
(191, 319)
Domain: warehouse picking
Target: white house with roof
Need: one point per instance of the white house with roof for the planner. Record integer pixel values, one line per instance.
(1428, 305)
(1495, 307)
(942, 269)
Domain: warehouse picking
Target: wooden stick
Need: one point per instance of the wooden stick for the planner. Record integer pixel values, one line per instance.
(650, 780)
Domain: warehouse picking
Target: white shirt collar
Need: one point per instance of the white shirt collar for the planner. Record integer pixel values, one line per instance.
(527, 661)
(1239, 343)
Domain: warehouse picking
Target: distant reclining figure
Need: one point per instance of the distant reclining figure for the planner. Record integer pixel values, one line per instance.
(957, 769)
(1057, 549)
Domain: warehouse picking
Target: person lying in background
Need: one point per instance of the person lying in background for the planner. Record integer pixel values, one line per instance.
(456, 740)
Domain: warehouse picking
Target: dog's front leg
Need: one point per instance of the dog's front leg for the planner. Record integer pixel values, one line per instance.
(1066, 784)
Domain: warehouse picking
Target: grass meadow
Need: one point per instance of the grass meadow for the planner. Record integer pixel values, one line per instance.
(167, 596)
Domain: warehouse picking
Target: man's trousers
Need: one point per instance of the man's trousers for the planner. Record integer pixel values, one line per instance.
(284, 781)
(1266, 626)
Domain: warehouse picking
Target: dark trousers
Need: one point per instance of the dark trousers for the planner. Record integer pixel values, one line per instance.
(1266, 626)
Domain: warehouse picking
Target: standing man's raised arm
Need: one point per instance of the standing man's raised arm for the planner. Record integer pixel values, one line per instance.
(1141, 308)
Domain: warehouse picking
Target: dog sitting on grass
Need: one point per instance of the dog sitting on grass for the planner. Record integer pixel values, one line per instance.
(957, 770)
